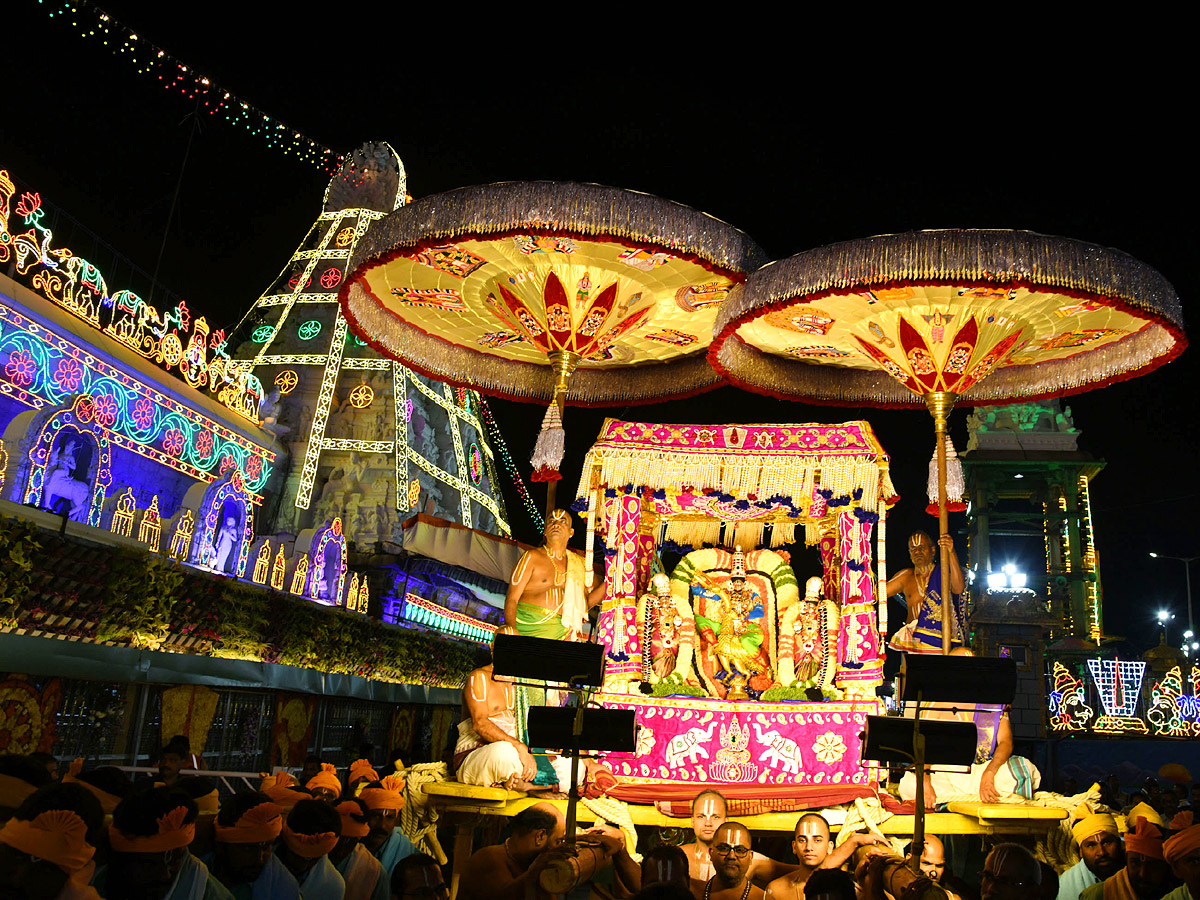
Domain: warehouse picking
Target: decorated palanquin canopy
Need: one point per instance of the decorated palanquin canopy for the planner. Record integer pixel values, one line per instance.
(508, 287)
(693, 478)
(987, 315)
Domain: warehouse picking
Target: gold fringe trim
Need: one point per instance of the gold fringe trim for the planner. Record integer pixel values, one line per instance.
(584, 209)
(739, 474)
(967, 256)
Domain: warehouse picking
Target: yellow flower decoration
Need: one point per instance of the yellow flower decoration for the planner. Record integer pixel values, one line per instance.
(829, 747)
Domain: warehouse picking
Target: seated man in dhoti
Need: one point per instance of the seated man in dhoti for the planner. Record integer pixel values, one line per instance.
(488, 751)
(996, 776)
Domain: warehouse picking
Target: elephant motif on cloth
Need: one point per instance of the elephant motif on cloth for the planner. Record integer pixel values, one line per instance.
(690, 744)
(782, 752)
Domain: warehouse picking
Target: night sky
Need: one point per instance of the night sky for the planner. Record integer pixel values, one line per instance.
(801, 141)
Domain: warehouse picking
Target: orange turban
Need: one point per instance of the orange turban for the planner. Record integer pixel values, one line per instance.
(1145, 839)
(207, 804)
(1182, 820)
(352, 827)
(277, 780)
(278, 788)
(388, 795)
(326, 778)
(172, 834)
(108, 802)
(13, 791)
(58, 836)
(362, 768)
(310, 846)
(1182, 844)
(258, 825)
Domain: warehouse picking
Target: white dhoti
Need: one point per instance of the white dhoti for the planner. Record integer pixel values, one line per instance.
(1016, 780)
(486, 763)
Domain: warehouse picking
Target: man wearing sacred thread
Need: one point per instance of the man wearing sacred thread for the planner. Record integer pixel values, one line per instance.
(546, 597)
(922, 587)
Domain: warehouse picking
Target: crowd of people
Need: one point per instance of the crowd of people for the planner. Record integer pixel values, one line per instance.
(326, 834)
(319, 835)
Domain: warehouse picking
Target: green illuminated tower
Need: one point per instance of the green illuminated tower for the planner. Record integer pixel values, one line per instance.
(370, 440)
(1028, 484)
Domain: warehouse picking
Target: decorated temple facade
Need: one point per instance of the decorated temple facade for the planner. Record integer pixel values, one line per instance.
(156, 427)
(161, 500)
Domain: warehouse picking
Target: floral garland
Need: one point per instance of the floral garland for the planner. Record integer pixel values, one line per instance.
(131, 597)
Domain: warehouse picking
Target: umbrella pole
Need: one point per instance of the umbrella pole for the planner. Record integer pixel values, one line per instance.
(940, 403)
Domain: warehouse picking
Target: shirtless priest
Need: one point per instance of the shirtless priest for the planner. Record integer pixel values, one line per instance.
(546, 596)
(488, 751)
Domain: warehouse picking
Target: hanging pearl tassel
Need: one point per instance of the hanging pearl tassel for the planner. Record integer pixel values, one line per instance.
(590, 553)
(550, 447)
(881, 598)
(956, 486)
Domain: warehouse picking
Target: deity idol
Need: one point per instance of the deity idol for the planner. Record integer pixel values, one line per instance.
(664, 628)
(66, 490)
(735, 639)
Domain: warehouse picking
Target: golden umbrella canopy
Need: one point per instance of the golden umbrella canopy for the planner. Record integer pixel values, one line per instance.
(992, 316)
(507, 288)
(928, 317)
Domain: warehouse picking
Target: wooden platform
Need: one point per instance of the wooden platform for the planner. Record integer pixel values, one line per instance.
(464, 804)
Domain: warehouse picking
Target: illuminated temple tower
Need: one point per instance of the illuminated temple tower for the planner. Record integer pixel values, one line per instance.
(1028, 484)
(370, 440)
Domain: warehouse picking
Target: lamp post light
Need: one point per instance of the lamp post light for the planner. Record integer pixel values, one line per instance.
(1187, 570)
(1165, 616)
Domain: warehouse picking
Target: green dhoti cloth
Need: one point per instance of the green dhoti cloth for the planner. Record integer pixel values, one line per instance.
(536, 621)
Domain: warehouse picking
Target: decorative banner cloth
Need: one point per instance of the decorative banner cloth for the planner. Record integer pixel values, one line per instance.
(697, 741)
(767, 462)
(27, 715)
(293, 728)
(188, 709)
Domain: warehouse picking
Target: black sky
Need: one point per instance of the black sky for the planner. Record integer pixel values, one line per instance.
(799, 132)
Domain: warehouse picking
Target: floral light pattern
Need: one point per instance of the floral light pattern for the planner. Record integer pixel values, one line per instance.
(172, 441)
(68, 374)
(106, 410)
(143, 412)
(21, 368)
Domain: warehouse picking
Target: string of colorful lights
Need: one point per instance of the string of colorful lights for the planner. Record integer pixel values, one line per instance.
(90, 21)
(510, 467)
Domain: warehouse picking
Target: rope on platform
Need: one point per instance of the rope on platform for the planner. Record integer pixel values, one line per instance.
(868, 813)
(614, 811)
(418, 819)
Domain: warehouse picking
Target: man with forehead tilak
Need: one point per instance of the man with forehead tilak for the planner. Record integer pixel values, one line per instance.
(546, 596)
(1146, 875)
(709, 812)
(1100, 849)
(922, 586)
(813, 846)
(731, 862)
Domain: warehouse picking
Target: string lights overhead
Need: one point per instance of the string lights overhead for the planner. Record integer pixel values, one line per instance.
(92, 22)
(509, 466)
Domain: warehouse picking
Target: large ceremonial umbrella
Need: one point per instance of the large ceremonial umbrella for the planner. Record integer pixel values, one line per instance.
(931, 317)
(568, 293)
